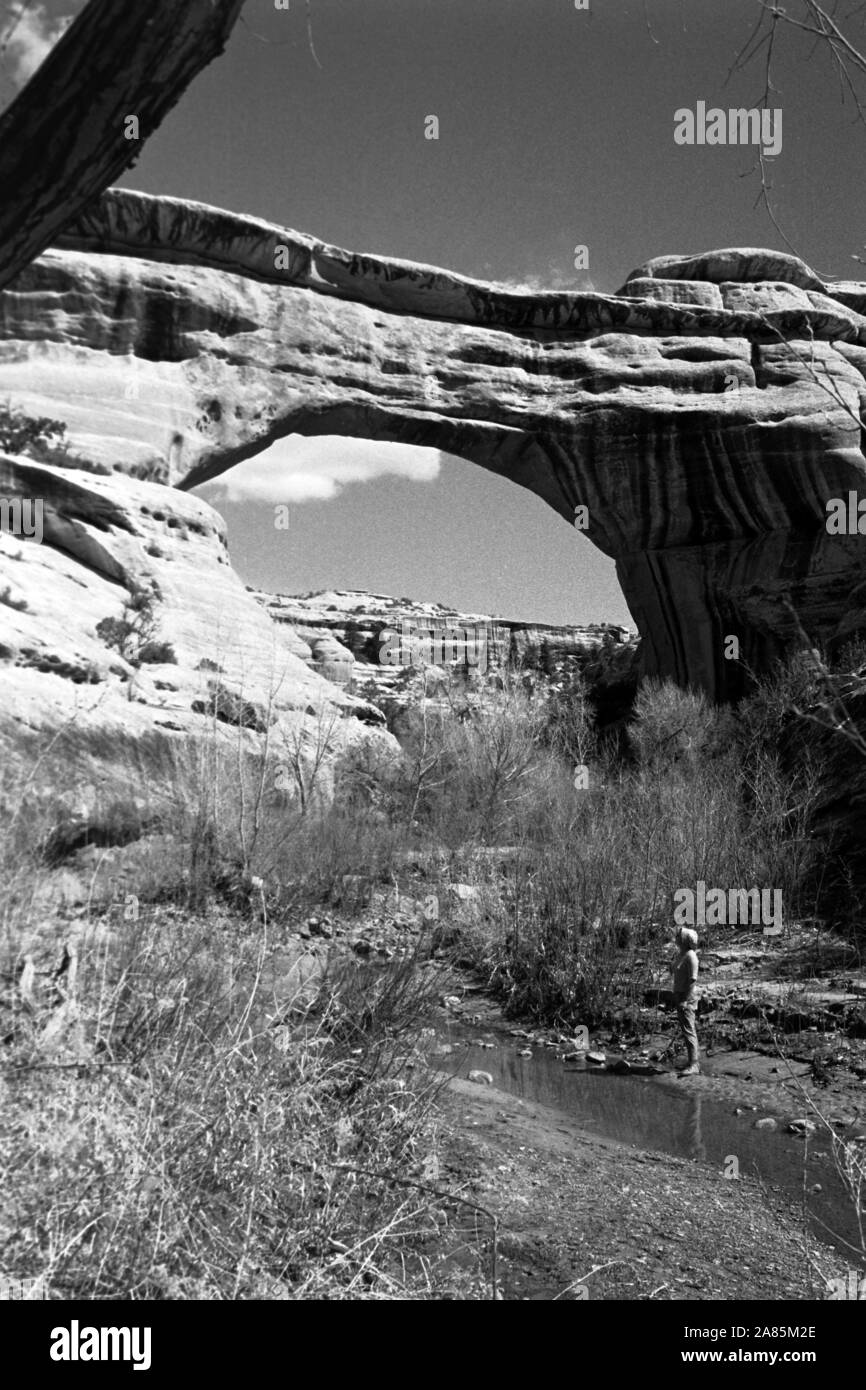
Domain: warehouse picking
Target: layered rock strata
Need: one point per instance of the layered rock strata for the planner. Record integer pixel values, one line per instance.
(696, 423)
(375, 637)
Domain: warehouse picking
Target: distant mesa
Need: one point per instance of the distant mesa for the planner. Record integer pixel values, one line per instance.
(346, 631)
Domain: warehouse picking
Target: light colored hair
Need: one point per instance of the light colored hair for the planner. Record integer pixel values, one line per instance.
(687, 938)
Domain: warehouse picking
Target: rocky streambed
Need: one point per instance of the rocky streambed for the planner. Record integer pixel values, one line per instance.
(745, 1119)
(611, 1177)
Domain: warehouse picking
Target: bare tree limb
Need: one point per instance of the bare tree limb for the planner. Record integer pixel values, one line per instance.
(828, 384)
(846, 55)
(649, 27)
(825, 28)
(310, 35)
(65, 137)
(285, 43)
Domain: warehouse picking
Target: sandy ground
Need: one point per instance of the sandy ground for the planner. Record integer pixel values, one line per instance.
(585, 1217)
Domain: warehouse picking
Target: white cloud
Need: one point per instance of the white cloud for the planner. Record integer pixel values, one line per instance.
(297, 469)
(27, 35)
(555, 279)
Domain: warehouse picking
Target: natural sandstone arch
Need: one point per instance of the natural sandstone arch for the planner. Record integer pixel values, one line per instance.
(178, 340)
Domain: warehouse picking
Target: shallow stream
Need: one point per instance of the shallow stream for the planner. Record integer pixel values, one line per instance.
(668, 1116)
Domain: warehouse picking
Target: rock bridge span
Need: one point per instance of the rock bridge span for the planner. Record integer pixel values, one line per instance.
(702, 416)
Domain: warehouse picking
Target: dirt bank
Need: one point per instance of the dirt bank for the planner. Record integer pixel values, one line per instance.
(575, 1209)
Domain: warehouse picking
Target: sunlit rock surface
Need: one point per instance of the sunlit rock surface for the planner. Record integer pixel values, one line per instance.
(379, 637)
(207, 663)
(703, 415)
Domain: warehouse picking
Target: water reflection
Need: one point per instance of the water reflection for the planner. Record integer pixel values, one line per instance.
(694, 1139)
(669, 1119)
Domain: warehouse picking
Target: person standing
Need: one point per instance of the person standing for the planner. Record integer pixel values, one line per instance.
(685, 993)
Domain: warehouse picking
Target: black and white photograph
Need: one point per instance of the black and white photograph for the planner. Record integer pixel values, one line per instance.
(432, 671)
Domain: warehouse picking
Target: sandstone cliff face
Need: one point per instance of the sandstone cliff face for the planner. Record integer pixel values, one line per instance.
(703, 415)
(208, 664)
(372, 638)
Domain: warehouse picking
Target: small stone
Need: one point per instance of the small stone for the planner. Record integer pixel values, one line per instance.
(767, 1123)
(597, 1058)
(525, 1052)
(483, 1078)
(803, 1126)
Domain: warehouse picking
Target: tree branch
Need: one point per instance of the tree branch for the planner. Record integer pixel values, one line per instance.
(65, 136)
(816, 20)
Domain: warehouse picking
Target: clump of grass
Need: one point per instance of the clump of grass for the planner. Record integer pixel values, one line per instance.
(40, 437)
(174, 1125)
(18, 604)
(132, 634)
(177, 1135)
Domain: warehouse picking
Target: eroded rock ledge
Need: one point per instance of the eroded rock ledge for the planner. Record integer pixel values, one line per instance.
(703, 415)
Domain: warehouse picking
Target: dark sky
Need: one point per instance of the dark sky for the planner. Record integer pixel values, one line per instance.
(556, 129)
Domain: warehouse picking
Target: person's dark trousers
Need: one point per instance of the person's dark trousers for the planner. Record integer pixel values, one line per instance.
(686, 1020)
